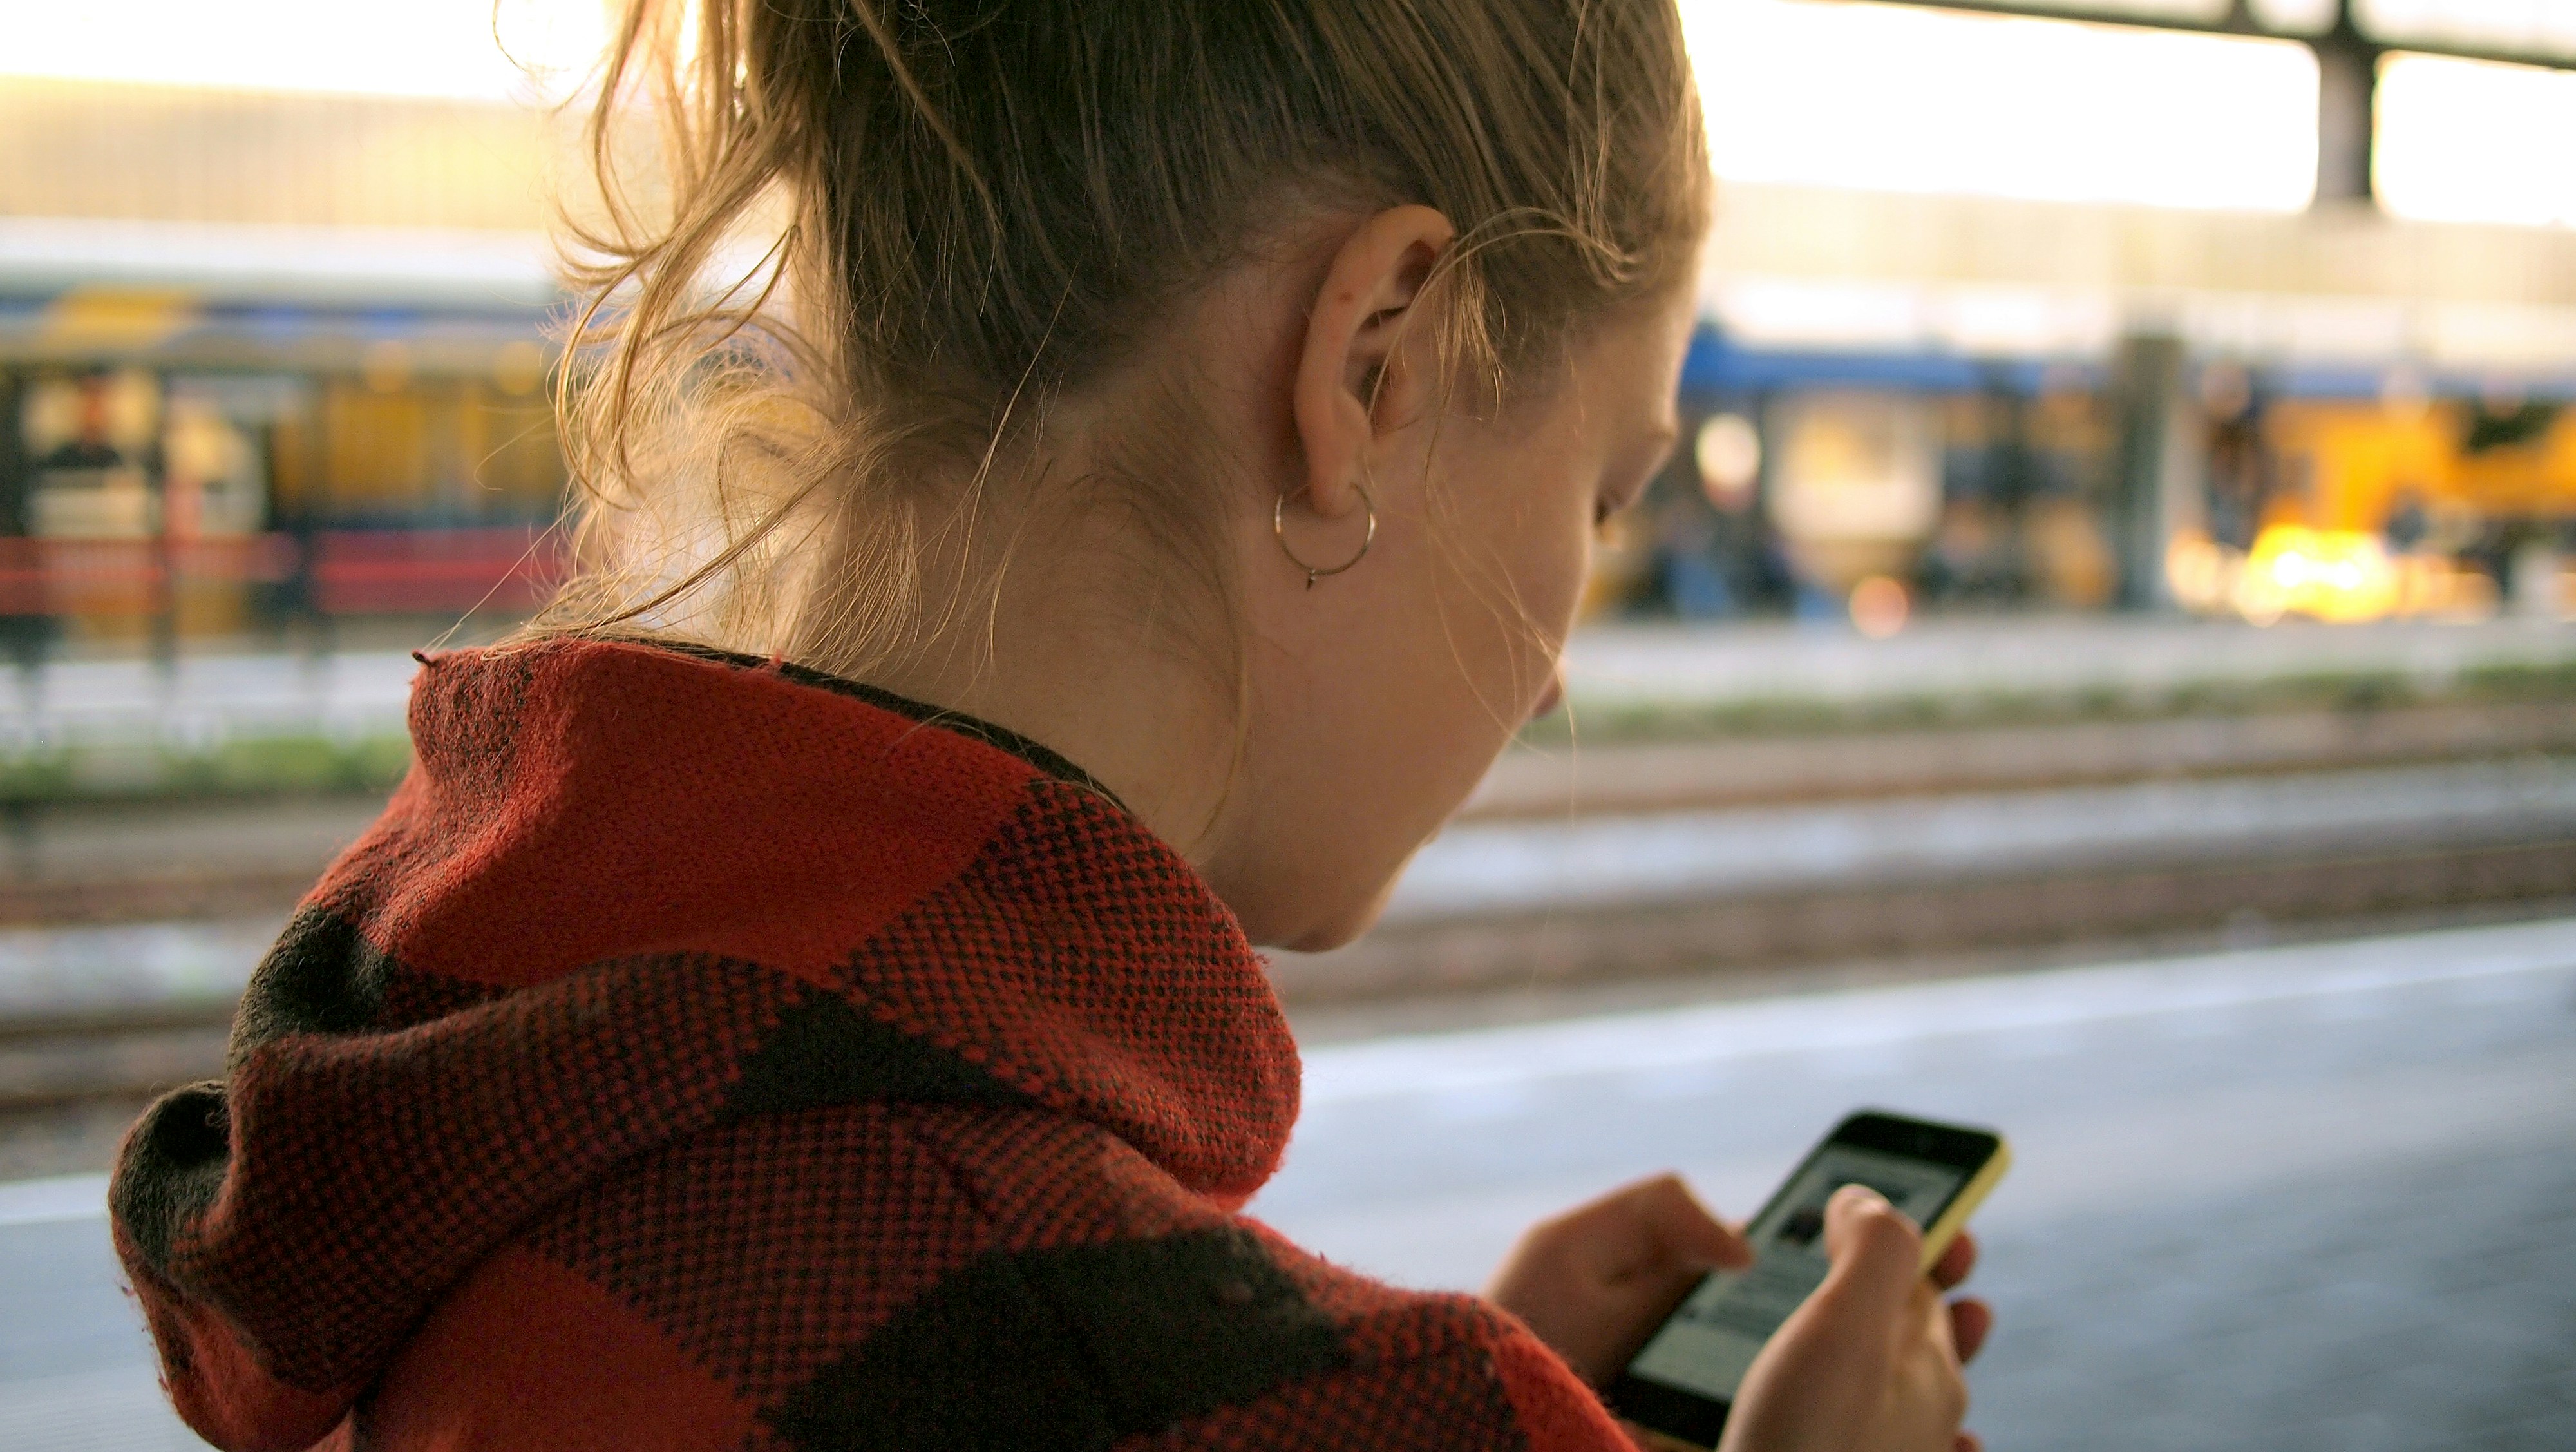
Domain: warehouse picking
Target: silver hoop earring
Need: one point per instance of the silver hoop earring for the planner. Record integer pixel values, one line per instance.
(1279, 531)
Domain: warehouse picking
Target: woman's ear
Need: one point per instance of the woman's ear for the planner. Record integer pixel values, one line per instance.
(1351, 381)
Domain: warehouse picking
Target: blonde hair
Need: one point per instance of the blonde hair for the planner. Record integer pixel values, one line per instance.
(964, 209)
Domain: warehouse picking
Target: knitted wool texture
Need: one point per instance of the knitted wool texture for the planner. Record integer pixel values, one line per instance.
(700, 1055)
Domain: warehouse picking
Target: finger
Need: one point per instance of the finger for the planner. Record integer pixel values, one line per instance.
(1956, 1261)
(1932, 1314)
(1685, 1230)
(1651, 1226)
(1968, 1442)
(1875, 1252)
(1971, 1321)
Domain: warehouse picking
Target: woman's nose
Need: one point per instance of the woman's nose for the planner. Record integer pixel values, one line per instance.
(1549, 699)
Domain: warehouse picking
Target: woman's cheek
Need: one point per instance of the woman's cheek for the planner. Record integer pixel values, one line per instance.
(1551, 565)
(1571, 568)
(1553, 591)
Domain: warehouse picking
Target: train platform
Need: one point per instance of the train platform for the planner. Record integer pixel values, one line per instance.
(2312, 1196)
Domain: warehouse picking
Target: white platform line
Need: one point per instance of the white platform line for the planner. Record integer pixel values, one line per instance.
(64, 1197)
(1670, 1038)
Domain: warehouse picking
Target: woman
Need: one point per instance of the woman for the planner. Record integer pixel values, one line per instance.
(803, 994)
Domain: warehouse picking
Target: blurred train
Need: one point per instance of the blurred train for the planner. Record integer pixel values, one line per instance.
(262, 430)
(261, 433)
(1876, 483)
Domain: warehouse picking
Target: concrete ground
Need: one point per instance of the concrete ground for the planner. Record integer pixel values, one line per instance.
(2310, 1196)
(2314, 1196)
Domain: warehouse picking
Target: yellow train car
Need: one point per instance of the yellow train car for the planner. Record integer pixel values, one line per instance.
(2357, 465)
(2405, 507)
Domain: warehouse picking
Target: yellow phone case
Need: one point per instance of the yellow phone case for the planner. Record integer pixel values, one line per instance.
(1944, 1229)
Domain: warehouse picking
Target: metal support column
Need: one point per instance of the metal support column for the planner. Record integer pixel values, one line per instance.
(2347, 112)
(2152, 490)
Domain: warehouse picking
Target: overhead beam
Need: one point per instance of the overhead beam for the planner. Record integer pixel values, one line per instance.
(2347, 75)
(2239, 22)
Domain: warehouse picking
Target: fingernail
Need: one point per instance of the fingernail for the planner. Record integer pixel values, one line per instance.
(1861, 1195)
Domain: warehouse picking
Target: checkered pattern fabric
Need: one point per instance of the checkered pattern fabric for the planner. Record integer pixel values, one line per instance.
(700, 1053)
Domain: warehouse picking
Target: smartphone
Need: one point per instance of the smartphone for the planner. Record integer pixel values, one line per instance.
(1685, 1377)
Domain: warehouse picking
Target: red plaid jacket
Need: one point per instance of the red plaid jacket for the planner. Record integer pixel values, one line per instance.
(700, 1054)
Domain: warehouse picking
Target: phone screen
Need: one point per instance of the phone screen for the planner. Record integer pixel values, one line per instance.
(1709, 1343)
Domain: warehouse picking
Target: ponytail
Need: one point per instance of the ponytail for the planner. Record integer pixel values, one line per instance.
(846, 249)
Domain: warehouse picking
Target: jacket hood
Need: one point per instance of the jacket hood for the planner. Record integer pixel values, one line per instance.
(628, 892)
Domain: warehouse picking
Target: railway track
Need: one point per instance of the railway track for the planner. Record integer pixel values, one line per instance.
(71, 1083)
(2103, 908)
(1619, 863)
(1650, 777)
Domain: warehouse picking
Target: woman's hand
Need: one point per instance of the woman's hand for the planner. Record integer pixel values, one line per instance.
(1596, 1281)
(1870, 1363)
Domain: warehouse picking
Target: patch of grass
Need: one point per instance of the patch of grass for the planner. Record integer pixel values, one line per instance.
(256, 766)
(36, 777)
(2521, 680)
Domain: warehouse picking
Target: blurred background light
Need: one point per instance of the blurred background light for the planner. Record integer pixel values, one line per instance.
(1887, 98)
(421, 48)
(2473, 141)
(1729, 455)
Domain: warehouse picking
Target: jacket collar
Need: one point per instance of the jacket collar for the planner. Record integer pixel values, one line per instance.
(626, 893)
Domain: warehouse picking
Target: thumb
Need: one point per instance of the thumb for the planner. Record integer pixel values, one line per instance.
(1874, 1251)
